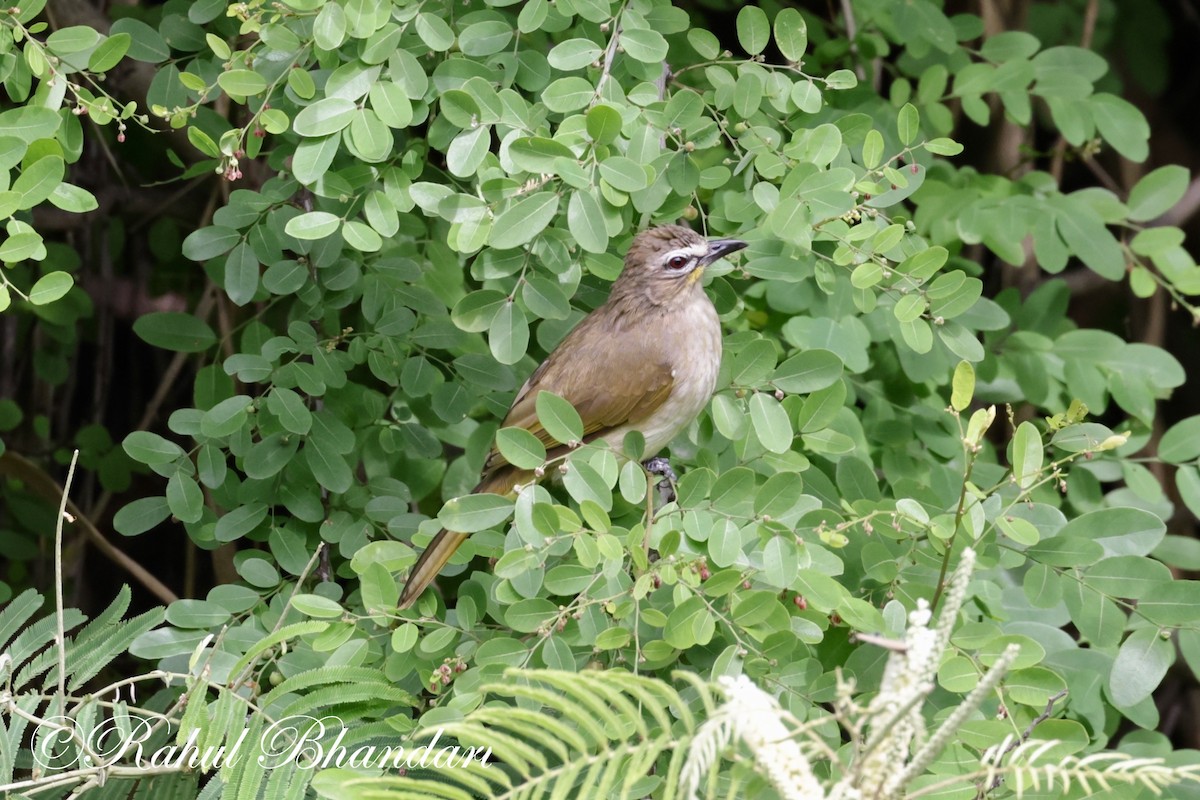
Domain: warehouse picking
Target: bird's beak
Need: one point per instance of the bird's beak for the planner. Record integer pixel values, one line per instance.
(719, 248)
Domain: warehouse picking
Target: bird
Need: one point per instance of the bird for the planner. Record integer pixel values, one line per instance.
(645, 360)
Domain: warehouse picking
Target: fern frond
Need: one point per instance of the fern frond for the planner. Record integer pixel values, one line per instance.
(227, 718)
(34, 639)
(245, 777)
(380, 696)
(323, 675)
(12, 734)
(89, 654)
(1096, 771)
(561, 736)
(17, 613)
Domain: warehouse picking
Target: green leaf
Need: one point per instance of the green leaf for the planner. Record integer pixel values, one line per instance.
(910, 307)
(771, 423)
(508, 334)
(50, 287)
(146, 44)
(753, 30)
(326, 116)
(390, 103)
(527, 616)
(150, 448)
(573, 54)
(872, 152)
(241, 274)
(1020, 531)
(200, 614)
(1181, 442)
(1120, 531)
(109, 52)
(373, 141)
(1140, 666)
(603, 123)
(1027, 455)
(220, 47)
(1130, 577)
(141, 515)
(73, 198)
(172, 330)
(807, 96)
(1066, 551)
(728, 417)
(908, 124)
(328, 466)
(23, 245)
(1010, 45)
(943, 147)
(1171, 603)
(475, 512)
(485, 38)
(1084, 232)
(807, 372)
(289, 408)
(465, 153)
(520, 448)
(585, 220)
(963, 385)
(38, 181)
(312, 225)
(623, 173)
(841, 79)
(316, 606)
(184, 498)
(644, 45)
(329, 28)
(559, 418)
(1157, 192)
(917, 335)
(226, 417)
(754, 363)
(523, 220)
(242, 83)
(791, 34)
(568, 94)
(210, 242)
(537, 153)
(73, 39)
(1120, 122)
(434, 32)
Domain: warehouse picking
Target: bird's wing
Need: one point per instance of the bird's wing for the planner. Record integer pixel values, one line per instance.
(609, 385)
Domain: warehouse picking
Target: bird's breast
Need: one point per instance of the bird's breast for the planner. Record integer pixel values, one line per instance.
(691, 338)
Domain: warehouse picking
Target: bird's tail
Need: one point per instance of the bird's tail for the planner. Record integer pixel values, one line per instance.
(442, 547)
(430, 564)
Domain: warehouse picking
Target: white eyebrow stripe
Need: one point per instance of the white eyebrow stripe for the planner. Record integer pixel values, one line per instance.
(691, 251)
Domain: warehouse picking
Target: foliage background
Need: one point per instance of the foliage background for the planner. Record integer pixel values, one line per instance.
(305, 284)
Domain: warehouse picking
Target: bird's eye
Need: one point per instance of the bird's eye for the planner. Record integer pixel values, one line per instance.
(678, 262)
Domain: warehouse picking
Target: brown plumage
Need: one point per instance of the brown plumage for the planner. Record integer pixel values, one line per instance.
(646, 360)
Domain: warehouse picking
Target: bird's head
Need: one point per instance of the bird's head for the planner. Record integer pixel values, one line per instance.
(663, 261)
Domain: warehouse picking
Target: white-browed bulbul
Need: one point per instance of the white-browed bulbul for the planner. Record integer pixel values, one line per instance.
(644, 361)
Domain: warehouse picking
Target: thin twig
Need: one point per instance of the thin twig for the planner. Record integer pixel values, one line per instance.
(851, 31)
(45, 486)
(58, 587)
(168, 382)
(1090, 15)
(1039, 719)
(610, 54)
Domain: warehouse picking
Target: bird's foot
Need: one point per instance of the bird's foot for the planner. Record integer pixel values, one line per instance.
(662, 468)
